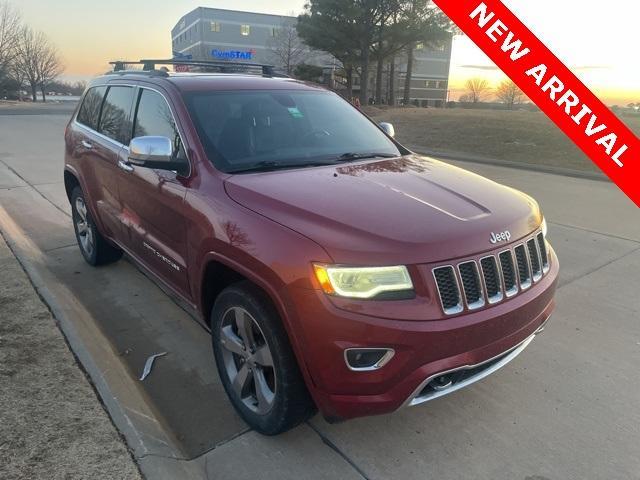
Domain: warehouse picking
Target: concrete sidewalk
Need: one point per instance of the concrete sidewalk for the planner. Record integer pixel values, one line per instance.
(52, 425)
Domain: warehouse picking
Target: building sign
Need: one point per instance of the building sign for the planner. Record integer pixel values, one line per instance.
(233, 54)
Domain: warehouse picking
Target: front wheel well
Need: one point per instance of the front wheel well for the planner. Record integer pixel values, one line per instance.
(217, 277)
(70, 182)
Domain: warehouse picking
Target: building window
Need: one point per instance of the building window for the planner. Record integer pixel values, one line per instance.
(274, 31)
(245, 30)
(442, 84)
(215, 27)
(431, 84)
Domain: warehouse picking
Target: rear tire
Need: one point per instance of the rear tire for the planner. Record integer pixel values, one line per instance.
(256, 364)
(95, 249)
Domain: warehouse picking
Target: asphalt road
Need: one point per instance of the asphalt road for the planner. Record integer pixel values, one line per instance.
(567, 408)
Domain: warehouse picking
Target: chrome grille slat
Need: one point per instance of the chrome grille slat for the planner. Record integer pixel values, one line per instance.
(542, 245)
(535, 261)
(471, 284)
(509, 274)
(492, 280)
(523, 268)
(448, 289)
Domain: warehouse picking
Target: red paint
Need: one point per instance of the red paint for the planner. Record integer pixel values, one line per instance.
(552, 86)
(270, 227)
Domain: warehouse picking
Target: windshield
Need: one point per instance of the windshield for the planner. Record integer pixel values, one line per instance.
(251, 130)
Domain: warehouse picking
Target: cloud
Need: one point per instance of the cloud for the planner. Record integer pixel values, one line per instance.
(577, 68)
(481, 67)
(584, 68)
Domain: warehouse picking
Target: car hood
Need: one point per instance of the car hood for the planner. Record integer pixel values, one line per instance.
(410, 209)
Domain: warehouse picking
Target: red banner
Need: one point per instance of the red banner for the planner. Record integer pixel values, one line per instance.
(551, 85)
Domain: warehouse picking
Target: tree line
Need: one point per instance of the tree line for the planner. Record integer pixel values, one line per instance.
(479, 90)
(27, 57)
(367, 35)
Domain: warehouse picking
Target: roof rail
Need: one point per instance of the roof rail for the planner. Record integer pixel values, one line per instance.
(149, 65)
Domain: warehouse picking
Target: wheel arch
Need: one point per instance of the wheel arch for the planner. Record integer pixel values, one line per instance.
(214, 264)
(71, 181)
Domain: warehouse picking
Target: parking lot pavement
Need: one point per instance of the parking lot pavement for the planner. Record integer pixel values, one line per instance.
(567, 408)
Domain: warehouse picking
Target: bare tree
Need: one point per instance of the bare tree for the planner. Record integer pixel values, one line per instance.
(36, 61)
(478, 90)
(49, 66)
(288, 49)
(10, 24)
(509, 94)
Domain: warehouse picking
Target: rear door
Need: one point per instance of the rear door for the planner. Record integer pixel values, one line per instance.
(153, 200)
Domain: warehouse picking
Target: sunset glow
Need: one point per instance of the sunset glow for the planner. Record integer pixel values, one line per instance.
(595, 40)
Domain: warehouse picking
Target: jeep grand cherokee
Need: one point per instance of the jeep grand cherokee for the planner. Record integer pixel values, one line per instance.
(335, 268)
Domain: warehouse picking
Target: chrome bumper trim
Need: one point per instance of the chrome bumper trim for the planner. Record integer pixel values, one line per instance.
(416, 399)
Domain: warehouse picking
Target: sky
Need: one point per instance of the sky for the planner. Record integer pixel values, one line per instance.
(597, 40)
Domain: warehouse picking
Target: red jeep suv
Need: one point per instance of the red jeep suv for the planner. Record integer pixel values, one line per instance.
(335, 268)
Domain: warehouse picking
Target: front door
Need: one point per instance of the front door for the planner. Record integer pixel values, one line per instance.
(153, 200)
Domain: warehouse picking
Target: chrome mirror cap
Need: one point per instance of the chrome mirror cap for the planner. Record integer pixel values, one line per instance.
(388, 129)
(150, 149)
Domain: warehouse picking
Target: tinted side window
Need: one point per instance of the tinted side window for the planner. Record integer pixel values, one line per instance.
(90, 108)
(154, 118)
(114, 121)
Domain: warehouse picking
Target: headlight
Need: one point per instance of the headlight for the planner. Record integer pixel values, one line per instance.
(544, 227)
(362, 282)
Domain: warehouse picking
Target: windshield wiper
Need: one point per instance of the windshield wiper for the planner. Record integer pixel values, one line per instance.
(268, 166)
(363, 156)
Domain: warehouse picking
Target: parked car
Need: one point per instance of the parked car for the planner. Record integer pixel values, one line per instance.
(335, 268)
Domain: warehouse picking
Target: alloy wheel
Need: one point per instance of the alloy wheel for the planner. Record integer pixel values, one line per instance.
(85, 232)
(247, 360)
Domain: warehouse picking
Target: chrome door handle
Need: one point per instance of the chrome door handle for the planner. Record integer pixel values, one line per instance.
(86, 145)
(125, 166)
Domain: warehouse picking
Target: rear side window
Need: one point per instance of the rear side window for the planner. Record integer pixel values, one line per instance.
(90, 108)
(154, 118)
(115, 119)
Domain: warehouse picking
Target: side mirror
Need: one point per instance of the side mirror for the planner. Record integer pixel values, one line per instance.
(388, 129)
(154, 152)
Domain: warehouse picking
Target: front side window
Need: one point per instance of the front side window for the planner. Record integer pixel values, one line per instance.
(89, 112)
(154, 118)
(114, 120)
(257, 129)
(215, 27)
(245, 30)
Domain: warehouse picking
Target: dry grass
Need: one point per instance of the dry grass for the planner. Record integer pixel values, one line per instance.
(519, 136)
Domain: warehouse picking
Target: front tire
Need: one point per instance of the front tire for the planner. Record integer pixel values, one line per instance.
(256, 364)
(95, 249)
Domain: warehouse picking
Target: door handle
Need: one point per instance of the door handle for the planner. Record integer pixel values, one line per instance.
(125, 166)
(86, 145)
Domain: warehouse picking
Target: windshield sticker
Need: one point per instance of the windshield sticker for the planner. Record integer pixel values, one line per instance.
(295, 112)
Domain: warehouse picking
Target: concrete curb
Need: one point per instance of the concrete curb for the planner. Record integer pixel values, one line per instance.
(463, 157)
(158, 461)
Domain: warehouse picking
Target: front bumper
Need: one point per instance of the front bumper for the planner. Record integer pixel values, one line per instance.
(424, 349)
(444, 383)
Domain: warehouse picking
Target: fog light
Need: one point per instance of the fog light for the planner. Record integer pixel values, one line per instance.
(366, 359)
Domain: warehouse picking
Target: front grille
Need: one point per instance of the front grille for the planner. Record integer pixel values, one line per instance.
(523, 267)
(491, 275)
(471, 284)
(508, 273)
(495, 277)
(448, 289)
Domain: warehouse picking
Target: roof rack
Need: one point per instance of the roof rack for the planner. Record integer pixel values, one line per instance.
(149, 66)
